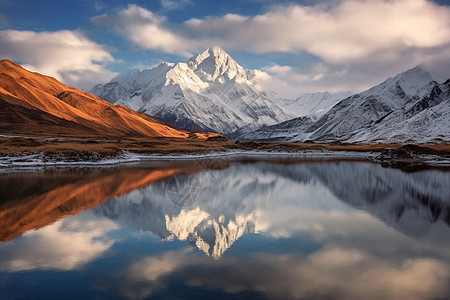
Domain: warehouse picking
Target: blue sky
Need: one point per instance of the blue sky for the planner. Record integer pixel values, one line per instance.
(302, 46)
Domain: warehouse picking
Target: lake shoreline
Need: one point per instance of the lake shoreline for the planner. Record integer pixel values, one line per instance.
(32, 152)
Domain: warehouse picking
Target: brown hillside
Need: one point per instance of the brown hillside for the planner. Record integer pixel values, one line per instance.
(34, 104)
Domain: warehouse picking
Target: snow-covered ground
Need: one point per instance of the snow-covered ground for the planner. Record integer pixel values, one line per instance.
(40, 161)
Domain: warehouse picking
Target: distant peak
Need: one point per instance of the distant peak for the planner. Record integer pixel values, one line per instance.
(214, 63)
(7, 62)
(413, 82)
(417, 71)
(215, 53)
(216, 49)
(167, 63)
(163, 65)
(416, 76)
(417, 68)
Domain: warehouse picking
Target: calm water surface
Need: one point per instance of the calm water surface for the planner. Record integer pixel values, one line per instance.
(220, 230)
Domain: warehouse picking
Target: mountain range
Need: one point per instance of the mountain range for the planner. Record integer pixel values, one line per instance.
(213, 92)
(210, 92)
(34, 104)
(410, 107)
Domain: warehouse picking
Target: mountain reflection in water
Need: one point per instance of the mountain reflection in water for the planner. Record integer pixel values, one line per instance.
(335, 230)
(37, 199)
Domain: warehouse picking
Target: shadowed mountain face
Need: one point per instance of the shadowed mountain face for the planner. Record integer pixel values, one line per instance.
(34, 104)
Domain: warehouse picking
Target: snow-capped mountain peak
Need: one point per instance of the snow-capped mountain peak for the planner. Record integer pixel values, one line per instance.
(215, 64)
(409, 107)
(413, 83)
(403, 108)
(211, 92)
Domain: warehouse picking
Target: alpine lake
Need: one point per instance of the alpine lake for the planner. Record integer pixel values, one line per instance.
(225, 229)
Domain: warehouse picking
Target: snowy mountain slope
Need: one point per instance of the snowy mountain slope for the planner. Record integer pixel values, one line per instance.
(210, 92)
(212, 209)
(308, 108)
(314, 104)
(426, 120)
(410, 107)
(287, 130)
(374, 115)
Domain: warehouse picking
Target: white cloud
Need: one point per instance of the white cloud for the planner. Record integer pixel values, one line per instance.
(358, 42)
(64, 245)
(351, 30)
(354, 76)
(291, 82)
(175, 4)
(99, 5)
(145, 29)
(146, 276)
(331, 272)
(66, 55)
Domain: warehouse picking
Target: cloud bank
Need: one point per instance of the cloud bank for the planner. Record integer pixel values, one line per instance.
(330, 273)
(66, 55)
(348, 37)
(145, 29)
(349, 31)
(348, 44)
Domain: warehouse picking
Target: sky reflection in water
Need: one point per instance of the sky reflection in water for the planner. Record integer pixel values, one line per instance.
(345, 230)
